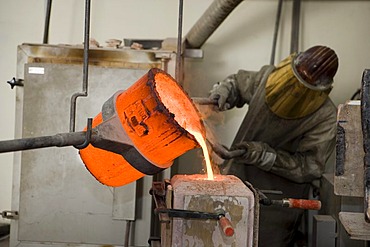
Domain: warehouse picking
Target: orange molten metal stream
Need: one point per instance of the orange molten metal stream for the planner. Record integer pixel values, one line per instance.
(198, 136)
(187, 119)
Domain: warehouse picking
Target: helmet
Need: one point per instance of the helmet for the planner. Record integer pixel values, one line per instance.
(316, 67)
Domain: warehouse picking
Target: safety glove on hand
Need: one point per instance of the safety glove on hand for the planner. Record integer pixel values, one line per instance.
(225, 93)
(259, 154)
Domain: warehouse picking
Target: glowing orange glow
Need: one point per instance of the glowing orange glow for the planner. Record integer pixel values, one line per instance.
(155, 113)
(107, 167)
(186, 115)
(198, 136)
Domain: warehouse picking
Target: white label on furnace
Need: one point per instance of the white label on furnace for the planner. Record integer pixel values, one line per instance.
(36, 70)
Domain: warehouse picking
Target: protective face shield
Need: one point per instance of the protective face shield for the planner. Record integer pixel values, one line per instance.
(301, 83)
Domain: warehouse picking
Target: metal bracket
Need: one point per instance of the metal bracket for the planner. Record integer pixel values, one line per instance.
(11, 215)
(193, 53)
(158, 192)
(15, 82)
(88, 135)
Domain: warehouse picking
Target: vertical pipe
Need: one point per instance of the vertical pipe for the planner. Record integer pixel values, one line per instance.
(179, 44)
(47, 22)
(86, 47)
(127, 233)
(85, 68)
(276, 32)
(295, 26)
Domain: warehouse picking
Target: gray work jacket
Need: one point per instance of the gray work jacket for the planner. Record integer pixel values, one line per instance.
(302, 146)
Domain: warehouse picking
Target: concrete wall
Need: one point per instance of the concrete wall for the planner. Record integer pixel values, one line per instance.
(244, 40)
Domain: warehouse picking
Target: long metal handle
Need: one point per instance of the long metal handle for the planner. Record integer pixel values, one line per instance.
(186, 214)
(302, 204)
(288, 202)
(204, 101)
(225, 224)
(58, 140)
(79, 140)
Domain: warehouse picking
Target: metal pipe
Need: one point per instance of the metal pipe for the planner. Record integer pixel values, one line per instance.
(295, 26)
(209, 22)
(79, 140)
(204, 101)
(127, 233)
(86, 46)
(178, 68)
(58, 140)
(74, 97)
(47, 22)
(276, 31)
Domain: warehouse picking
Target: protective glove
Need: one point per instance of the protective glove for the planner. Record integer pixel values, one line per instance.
(225, 93)
(259, 154)
(222, 151)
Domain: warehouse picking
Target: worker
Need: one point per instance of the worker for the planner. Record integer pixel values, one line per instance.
(288, 132)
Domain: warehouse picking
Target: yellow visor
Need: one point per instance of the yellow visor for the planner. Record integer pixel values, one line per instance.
(288, 97)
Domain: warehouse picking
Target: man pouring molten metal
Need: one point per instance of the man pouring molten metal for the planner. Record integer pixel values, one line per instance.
(288, 132)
